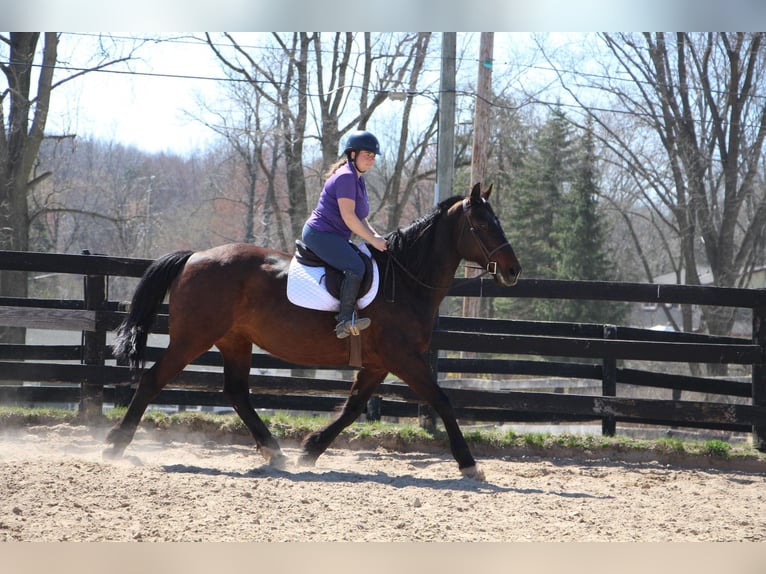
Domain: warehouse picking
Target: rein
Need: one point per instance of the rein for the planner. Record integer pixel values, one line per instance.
(392, 258)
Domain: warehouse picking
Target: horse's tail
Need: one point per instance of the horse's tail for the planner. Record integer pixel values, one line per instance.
(130, 342)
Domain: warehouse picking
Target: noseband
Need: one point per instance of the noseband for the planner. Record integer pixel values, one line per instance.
(491, 266)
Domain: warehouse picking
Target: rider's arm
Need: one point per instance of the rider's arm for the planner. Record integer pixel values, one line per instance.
(360, 227)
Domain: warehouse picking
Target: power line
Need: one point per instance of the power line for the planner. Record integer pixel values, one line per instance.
(469, 61)
(432, 94)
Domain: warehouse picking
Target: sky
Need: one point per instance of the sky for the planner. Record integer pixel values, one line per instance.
(149, 108)
(158, 106)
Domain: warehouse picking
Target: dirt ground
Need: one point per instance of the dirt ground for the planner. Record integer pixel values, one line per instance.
(56, 487)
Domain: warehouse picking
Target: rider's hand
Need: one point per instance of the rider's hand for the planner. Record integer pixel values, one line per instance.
(379, 243)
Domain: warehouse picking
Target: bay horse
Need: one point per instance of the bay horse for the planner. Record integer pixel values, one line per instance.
(234, 296)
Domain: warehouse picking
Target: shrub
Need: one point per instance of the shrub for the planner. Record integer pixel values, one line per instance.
(716, 448)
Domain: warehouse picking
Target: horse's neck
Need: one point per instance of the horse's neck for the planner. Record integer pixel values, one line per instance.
(441, 268)
(433, 279)
(447, 265)
(443, 275)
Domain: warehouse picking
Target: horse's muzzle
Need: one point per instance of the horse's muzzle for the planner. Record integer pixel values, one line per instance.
(505, 277)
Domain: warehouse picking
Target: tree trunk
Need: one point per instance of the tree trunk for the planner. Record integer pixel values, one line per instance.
(18, 149)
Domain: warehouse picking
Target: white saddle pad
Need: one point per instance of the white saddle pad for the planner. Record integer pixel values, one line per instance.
(306, 286)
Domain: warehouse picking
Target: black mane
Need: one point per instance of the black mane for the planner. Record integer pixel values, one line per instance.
(413, 246)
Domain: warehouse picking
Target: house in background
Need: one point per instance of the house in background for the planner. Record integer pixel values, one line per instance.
(655, 315)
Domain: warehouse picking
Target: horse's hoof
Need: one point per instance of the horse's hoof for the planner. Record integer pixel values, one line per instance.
(275, 458)
(474, 473)
(307, 460)
(278, 461)
(111, 453)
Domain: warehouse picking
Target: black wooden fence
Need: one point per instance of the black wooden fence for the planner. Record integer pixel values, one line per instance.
(87, 374)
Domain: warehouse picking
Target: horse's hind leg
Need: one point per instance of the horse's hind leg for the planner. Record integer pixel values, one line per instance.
(365, 383)
(122, 434)
(236, 369)
(152, 381)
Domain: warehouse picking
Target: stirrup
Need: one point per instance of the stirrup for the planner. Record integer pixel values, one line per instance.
(351, 327)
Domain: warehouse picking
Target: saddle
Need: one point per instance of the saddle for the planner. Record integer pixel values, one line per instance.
(334, 277)
(313, 284)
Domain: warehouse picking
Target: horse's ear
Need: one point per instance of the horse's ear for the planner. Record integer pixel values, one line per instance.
(476, 192)
(487, 192)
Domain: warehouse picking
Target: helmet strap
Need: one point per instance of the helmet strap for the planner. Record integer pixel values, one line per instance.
(353, 161)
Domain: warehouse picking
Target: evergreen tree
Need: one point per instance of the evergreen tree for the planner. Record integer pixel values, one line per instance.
(556, 227)
(510, 142)
(539, 203)
(536, 208)
(581, 236)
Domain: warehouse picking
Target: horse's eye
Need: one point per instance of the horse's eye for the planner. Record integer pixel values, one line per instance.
(483, 224)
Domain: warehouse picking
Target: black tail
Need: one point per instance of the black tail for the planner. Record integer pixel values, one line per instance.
(130, 342)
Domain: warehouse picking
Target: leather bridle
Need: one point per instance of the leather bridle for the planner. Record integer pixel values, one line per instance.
(491, 266)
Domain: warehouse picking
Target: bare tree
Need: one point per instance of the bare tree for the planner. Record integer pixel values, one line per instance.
(24, 106)
(283, 82)
(412, 150)
(107, 197)
(20, 141)
(693, 141)
(322, 86)
(249, 129)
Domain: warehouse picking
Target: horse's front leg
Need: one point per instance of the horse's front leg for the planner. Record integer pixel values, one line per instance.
(414, 371)
(365, 383)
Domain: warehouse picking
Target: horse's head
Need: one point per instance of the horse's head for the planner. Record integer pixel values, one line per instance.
(483, 241)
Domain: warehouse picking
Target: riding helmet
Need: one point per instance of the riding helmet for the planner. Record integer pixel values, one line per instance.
(362, 140)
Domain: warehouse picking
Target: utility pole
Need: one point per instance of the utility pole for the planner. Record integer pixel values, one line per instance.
(481, 110)
(445, 158)
(472, 306)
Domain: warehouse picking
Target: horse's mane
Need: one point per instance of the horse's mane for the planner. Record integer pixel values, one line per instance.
(413, 246)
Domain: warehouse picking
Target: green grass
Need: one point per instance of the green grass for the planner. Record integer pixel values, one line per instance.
(671, 445)
(535, 439)
(716, 448)
(593, 445)
(18, 416)
(295, 427)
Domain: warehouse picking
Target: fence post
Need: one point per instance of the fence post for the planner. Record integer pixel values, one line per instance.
(93, 351)
(374, 405)
(759, 374)
(609, 382)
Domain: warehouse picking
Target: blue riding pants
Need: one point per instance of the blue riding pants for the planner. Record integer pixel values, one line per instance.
(333, 250)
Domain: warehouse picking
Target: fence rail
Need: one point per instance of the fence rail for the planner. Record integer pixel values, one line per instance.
(87, 374)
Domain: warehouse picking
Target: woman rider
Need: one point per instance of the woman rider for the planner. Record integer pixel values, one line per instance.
(341, 211)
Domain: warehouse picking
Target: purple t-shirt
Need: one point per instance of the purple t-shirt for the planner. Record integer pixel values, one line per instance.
(344, 183)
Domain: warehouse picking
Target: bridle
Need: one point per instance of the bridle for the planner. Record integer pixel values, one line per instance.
(489, 269)
(491, 266)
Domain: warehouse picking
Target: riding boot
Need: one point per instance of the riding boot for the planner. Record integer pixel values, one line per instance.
(348, 322)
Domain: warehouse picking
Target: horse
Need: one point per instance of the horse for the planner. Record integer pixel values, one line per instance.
(233, 297)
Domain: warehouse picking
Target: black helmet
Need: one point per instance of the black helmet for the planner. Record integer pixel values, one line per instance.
(362, 140)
